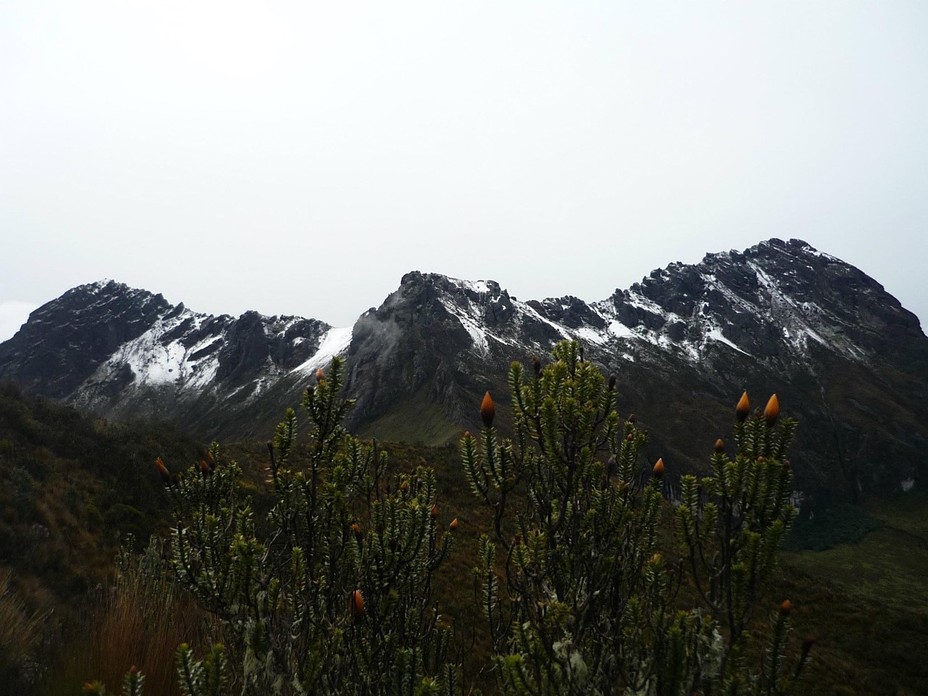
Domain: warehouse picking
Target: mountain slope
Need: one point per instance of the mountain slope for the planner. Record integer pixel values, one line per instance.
(842, 354)
(782, 317)
(124, 352)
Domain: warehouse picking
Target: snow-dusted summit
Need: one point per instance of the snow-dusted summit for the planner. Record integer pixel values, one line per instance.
(841, 353)
(123, 351)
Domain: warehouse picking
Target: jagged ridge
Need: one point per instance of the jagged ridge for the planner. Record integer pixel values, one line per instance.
(123, 351)
(780, 316)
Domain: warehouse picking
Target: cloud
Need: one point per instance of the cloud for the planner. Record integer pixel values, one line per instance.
(13, 314)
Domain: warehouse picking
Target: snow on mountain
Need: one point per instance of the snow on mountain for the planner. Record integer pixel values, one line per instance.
(334, 342)
(125, 351)
(730, 301)
(780, 316)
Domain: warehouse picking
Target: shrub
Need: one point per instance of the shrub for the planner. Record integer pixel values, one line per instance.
(587, 597)
(587, 601)
(336, 596)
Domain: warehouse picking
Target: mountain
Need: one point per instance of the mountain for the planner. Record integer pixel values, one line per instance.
(842, 354)
(123, 352)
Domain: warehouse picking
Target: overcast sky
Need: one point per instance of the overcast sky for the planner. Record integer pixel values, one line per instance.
(298, 158)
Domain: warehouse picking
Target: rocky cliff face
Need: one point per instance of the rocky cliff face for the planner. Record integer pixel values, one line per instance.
(841, 353)
(120, 351)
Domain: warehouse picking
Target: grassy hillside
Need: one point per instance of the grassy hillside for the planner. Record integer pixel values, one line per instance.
(70, 487)
(865, 601)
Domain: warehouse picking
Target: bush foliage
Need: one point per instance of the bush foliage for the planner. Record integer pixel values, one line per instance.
(582, 587)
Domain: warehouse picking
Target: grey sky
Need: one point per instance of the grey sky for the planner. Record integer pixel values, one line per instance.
(300, 157)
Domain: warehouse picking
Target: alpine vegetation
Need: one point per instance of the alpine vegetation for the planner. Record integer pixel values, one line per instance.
(335, 595)
(591, 578)
(588, 598)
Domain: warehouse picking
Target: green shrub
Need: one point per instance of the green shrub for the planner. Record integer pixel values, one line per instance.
(586, 597)
(336, 596)
(587, 601)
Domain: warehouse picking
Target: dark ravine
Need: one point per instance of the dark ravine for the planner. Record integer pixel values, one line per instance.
(842, 354)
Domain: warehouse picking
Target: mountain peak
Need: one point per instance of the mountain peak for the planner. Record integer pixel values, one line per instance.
(780, 315)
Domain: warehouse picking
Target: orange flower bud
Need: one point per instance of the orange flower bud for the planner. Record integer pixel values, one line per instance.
(743, 409)
(358, 534)
(720, 445)
(632, 418)
(786, 607)
(454, 524)
(356, 604)
(658, 469)
(772, 411)
(320, 374)
(434, 512)
(204, 467)
(487, 410)
(163, 471)
(536, 365)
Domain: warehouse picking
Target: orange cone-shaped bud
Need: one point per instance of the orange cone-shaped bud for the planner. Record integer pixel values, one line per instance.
(720, 445)
(487, 410)
(772, 411)
(358, 533)
(743, 409)
(163, 471)
(454, 524)
(434, 512)
(786, 607)
(658, 469)
(356, 604)
(320, 374)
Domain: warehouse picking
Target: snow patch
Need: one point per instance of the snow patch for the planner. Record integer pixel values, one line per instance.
(591, 335)
(715, 334)
(477, 333)
(619, 330)
(334, 342)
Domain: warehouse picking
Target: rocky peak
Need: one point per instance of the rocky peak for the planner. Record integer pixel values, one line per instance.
(64, 340)
(121, 350)
(776, 301)
(779, 316)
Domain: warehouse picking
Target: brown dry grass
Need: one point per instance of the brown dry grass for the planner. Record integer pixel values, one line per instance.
(139, 622)
(20, 636)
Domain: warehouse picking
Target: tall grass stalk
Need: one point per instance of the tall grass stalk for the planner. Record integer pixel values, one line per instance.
(20, 637)
(139, 621)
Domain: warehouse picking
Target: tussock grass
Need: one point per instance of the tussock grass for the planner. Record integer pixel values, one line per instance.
(139, 621)
(21, 637)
